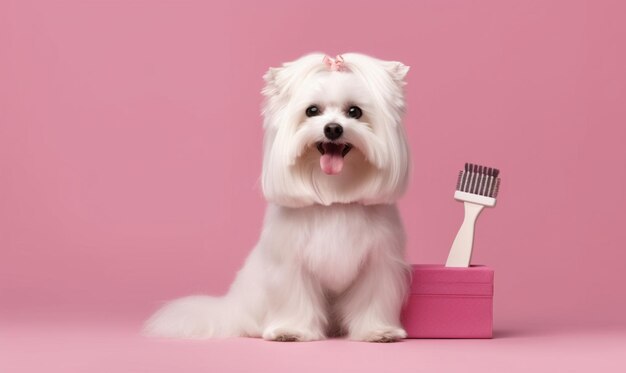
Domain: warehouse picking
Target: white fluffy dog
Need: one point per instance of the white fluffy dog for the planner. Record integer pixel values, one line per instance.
(330, 260)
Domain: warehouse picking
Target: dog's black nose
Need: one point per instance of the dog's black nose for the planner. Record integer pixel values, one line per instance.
(333, 131)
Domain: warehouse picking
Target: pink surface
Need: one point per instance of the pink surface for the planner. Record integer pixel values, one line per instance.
(105, 348)
(113, 114)
(449, 302)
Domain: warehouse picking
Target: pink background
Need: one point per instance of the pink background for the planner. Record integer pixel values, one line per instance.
(130, 147)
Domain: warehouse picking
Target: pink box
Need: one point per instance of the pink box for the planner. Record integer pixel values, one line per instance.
(449, 302)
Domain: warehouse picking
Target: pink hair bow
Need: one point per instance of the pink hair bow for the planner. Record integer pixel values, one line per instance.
(334, 64)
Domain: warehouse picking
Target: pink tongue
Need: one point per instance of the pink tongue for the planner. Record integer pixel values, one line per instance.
(331, 163)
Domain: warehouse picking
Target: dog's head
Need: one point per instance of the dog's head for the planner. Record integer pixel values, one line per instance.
(333, 131)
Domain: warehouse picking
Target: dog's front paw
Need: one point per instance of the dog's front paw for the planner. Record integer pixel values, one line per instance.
(290, 334)
(380, 335)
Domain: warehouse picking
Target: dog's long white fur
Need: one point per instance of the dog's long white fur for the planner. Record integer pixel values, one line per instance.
(330, 259)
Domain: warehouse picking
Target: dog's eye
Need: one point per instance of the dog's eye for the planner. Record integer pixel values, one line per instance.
(354, 112)
(312, 111)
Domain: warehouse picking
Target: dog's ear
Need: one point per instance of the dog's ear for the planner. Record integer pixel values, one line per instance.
(280, 82)
(398, 71)
(271, 77)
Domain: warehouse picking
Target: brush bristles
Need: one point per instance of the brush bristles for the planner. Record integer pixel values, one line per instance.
(480, 180)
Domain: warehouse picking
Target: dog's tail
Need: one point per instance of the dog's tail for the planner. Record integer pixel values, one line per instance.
(200, 317)
(238, 313)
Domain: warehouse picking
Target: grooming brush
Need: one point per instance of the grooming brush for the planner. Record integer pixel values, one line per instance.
(477, 187)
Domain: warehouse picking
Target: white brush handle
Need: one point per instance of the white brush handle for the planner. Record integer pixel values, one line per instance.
(461, 251)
